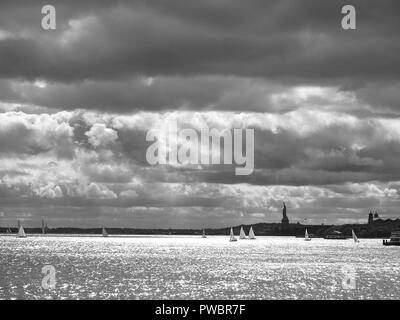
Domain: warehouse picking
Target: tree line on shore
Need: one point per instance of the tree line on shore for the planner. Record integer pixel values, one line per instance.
(377, 229)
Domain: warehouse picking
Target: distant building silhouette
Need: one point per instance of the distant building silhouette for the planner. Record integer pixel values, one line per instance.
(370, 218)
(285, 220)
(375, 220)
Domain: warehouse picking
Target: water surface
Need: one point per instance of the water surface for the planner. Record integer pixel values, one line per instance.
(189, 267)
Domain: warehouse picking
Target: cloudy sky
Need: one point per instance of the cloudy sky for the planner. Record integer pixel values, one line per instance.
(76, 103)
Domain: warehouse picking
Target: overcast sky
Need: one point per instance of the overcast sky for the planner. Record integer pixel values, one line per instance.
(76, 103)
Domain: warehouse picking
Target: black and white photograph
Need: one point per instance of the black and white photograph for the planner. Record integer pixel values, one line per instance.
(193, 150)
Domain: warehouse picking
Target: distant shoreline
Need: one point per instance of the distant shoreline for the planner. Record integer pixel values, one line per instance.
(147, 236)
(380, 229)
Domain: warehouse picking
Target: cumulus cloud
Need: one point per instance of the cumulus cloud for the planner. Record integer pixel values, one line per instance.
(31, 134)
(49, 191)
(96, 191)
(100, 135)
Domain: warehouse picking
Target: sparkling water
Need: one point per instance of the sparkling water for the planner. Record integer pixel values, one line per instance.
(190, 267)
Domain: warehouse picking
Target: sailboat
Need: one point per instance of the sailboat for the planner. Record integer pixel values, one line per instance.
(43, 227)
(252, 236)
(242, 234)
(21, 233)
(306, 237)
(8, 231)
(104, 232)
(203, 235)
(232, 236)
(354, 236)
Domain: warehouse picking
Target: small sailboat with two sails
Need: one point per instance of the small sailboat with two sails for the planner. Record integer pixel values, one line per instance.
(232, 236)
(242, 234)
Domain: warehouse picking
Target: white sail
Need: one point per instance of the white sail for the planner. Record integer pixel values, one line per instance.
(306, 237)
(242, 234)
(252, 236)
(21, 232)
(354, 236)
(104, 232)
(204, 234)
(232, 236)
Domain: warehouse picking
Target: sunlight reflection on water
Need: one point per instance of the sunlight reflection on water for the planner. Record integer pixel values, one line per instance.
(194, 268)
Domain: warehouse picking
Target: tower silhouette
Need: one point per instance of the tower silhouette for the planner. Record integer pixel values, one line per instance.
(285, 220)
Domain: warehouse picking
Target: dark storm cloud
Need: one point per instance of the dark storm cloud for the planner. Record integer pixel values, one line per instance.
(202, 54)
(291, 177)
(272, 39)
(180, 201)
(132, 94)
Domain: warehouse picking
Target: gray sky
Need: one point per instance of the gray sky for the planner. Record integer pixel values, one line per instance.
(76, 103)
